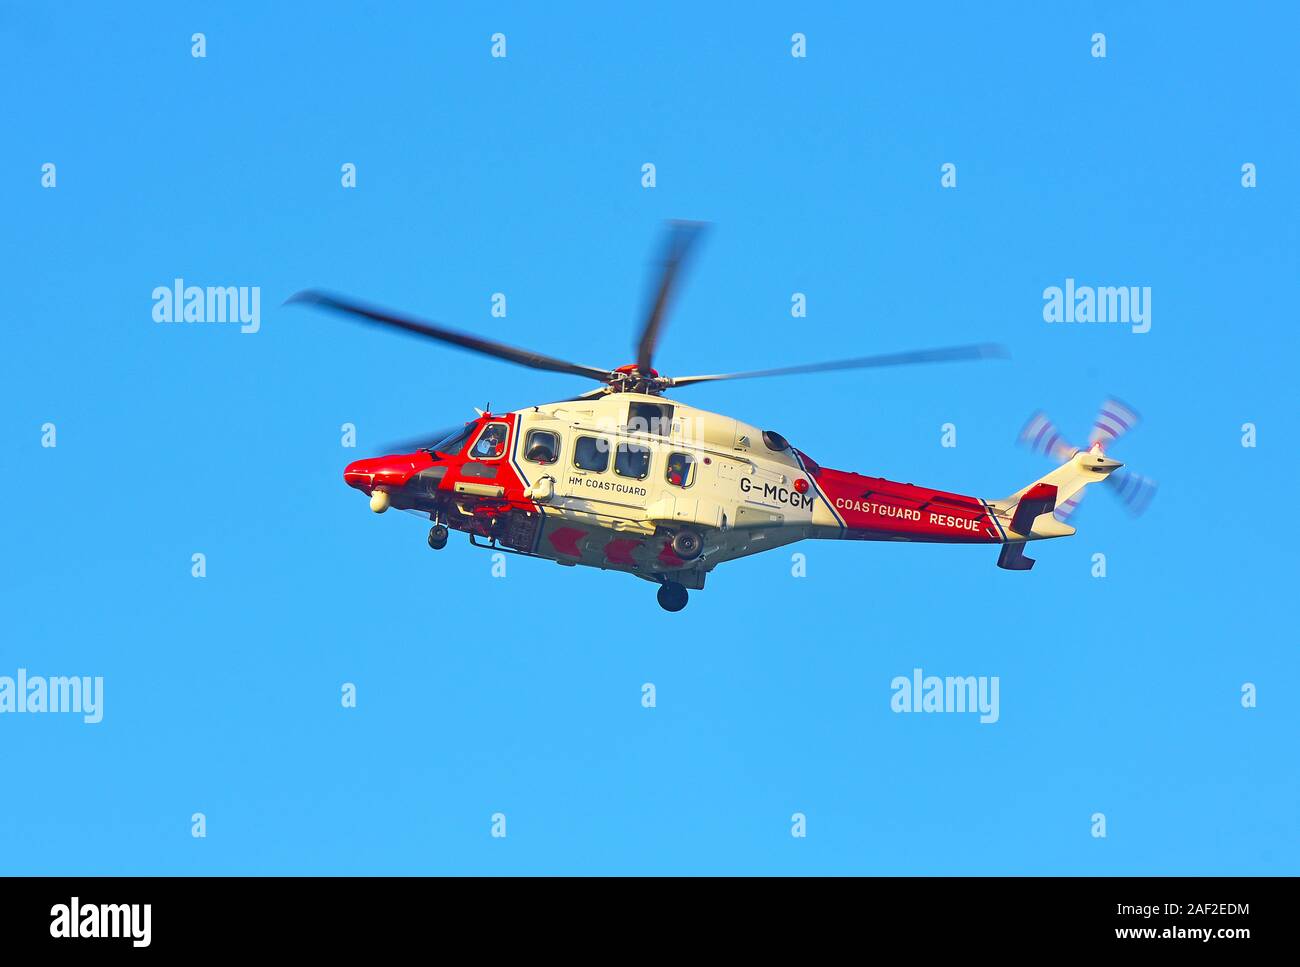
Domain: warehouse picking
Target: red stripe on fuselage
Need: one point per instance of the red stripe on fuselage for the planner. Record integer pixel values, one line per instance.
(877, 509)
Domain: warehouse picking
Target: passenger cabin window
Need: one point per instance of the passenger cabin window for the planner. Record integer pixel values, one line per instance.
(681, 470)
(591, 453)
(654, 418)
(632, 461)
(491, 443)
(542, 446)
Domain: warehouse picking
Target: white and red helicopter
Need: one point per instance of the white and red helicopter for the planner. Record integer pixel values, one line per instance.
(623, 478)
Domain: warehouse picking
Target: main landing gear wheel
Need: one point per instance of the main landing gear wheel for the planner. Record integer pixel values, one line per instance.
(687, 545)
(672, 596)
(438, 537)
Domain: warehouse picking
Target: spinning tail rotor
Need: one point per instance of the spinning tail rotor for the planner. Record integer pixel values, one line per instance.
(1115, 419)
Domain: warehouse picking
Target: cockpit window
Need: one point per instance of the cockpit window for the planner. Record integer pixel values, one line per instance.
(774, 441)
(453, 441)
(491, 443)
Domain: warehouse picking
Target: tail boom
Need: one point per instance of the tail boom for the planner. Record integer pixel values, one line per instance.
(875, 509)
(858, 507)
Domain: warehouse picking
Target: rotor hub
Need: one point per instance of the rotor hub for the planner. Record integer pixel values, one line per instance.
(632, 379)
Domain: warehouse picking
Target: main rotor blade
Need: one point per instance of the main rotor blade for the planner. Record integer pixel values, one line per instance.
(681, 236)
(591, 394)
(411, 444)
(477, 344)
(946, 355)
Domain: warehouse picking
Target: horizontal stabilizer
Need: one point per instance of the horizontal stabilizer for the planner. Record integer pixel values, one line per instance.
(1013, 557)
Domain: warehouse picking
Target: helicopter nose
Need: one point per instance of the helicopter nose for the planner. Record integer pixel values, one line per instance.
(379, 472)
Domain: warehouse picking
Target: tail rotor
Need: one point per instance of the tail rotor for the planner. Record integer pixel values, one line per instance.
(1114, 419)
(1041, 435)
(1134, 491)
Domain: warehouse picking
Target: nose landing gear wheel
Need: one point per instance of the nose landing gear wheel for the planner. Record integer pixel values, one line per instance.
(672, 596)
(437, 537)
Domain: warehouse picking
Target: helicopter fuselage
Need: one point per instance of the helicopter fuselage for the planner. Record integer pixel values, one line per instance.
(622, 478)
(611, 481)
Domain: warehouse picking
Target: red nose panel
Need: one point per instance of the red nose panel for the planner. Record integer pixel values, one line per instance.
(392, 471)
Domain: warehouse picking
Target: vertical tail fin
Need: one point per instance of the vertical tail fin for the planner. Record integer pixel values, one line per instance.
(1031, 513)
(1083, 468)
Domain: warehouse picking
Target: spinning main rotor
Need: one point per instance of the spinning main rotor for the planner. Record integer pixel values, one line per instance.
(641, 376)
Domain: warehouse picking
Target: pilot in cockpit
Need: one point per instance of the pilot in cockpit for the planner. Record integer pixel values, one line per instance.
(490, 443)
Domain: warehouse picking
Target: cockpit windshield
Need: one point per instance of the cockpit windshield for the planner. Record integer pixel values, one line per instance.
(453, 441)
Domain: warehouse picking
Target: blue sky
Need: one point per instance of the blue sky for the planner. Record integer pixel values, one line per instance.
(521, 694)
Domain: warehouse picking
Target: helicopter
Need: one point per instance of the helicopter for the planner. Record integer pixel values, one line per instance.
(624, 478)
